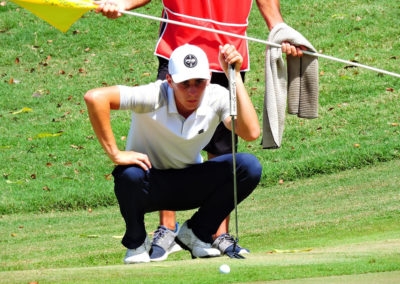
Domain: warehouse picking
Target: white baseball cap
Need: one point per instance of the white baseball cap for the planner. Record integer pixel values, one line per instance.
(188, 62)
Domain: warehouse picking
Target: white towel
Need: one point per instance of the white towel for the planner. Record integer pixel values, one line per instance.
(300, 79)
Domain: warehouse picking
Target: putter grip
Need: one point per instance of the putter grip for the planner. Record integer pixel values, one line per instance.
(232, 90)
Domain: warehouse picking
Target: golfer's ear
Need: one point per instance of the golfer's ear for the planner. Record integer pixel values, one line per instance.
(169, 80)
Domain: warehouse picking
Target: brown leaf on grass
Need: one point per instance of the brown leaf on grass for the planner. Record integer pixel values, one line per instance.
(13, 234)
(123, 138)
(87, 49)
(82, 111)
(108, 176)
(11, 81)
(49, 164)
(81, 70)
(46, 188)
(76, 32)
(389, 89)
(395, 124)
(356, 145)
(61, 72)
(33, 176)
(76, 147)
(49, 41)
(146, 74)
(281, 181)
(17, 60)
(90, 210)
(69, 98)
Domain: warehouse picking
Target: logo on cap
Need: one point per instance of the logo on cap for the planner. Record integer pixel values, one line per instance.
(190, 61)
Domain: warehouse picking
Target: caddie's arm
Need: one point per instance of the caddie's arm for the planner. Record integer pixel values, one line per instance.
(99, 103)
(246, 125)
(270, 10)
(111, 8)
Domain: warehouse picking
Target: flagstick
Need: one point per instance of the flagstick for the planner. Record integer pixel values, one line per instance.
(271, 44)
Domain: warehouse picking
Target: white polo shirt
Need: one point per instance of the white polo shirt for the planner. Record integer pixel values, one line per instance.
(158, 130)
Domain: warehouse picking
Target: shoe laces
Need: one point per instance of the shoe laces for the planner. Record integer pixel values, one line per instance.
(226, 237)
(159, 233)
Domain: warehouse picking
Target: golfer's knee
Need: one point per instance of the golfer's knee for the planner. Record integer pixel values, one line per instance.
(128, 176)
(249, 167)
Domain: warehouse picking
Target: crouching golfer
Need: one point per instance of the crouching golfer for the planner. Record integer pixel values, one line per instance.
(162, 168)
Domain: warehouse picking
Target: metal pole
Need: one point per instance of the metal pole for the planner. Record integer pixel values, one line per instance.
(271, 44)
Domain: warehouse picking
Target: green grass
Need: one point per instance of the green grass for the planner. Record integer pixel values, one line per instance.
(347, 219)
(49, 72)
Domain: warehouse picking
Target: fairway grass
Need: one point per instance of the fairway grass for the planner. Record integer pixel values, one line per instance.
(339, 224)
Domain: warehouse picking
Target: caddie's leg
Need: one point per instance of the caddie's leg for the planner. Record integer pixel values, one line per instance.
(131, 189)
(167, 219)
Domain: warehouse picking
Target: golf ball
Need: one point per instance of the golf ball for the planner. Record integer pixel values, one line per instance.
(224, 268)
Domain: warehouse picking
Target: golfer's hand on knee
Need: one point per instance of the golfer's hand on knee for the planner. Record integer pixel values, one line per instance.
(111, 8)
(229, 55)
(292, 50)
(132, 158)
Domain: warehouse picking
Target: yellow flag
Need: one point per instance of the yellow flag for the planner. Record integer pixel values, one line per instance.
(59, 13)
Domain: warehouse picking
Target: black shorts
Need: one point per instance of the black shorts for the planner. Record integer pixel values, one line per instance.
(221, 142)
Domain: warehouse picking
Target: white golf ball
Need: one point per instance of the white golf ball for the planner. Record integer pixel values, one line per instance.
(224, 268)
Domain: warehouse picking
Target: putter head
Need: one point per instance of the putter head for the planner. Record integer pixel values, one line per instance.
(234, 254)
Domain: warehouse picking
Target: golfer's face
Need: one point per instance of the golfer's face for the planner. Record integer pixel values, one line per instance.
(188, 94)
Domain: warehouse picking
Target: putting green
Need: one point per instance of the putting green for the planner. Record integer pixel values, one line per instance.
(265, 266)
(368, 278)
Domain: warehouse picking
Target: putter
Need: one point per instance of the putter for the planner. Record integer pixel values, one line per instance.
(233, 114)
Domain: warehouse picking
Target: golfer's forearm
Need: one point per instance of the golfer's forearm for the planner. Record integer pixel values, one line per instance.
(99, 115)
(247, 125)
(270, 10)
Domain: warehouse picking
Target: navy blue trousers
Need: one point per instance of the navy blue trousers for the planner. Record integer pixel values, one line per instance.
(207, 186)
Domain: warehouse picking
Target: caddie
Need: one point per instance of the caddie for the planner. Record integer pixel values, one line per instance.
(161, 168)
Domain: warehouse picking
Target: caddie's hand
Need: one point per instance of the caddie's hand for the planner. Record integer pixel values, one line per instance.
(132, 158)
(229, 55)
(292, 50)
(111, 8)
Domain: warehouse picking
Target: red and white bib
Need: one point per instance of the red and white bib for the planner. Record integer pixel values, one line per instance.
(224, 15)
